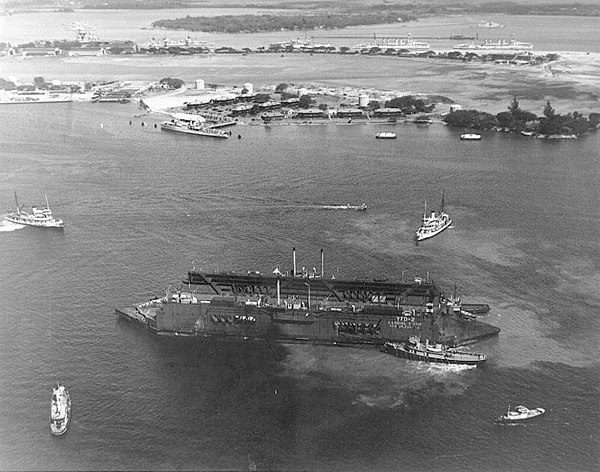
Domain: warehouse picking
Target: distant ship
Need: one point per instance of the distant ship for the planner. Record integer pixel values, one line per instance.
(433, 224)
(395, 44)
(497, 44)
(34, 96)
(416, 350)
(489, 24)
(40, 218)
(470, 137)
(60, 410)
(197, 128)
(503, 44)
(187, 43)
(461, 37)
(305, 306)
(298, 44)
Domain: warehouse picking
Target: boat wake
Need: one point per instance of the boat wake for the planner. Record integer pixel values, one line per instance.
(371, 378)
(7, 226)
(362, 207)
(278, 203)
(320, 206)
(442, 369)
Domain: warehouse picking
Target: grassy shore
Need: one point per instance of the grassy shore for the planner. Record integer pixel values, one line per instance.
(572, 83)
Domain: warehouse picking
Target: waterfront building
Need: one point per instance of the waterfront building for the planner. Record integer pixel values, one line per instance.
(350, 113)
(310, 113)
(41, 51)
(387, 112)
(87, 51)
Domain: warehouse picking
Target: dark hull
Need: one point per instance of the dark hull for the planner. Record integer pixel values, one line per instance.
(310, 309)
(371, 328)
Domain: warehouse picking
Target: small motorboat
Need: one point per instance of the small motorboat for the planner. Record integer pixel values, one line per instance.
(470, 137)
(60, 410)
(361, 207)
(519, 414)
(385, 135)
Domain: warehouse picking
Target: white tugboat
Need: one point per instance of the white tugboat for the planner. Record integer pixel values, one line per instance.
(433, 224)
(42, 218)
(60, 410)
(417, 350)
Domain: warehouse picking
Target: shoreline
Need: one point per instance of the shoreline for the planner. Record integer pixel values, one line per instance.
(571, 83)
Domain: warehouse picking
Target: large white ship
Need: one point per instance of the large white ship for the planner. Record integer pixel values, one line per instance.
(35, 96)
(395, 44)
(497, 44)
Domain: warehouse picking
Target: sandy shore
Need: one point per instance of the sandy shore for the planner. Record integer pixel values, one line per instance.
(572, 83)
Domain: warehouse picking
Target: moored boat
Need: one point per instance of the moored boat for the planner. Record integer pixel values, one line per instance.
(433, 224)
(416, 350)
(60, 410)
(470, 137)
(41, 218)
(385, 135)
(519, 414)
(197, 128)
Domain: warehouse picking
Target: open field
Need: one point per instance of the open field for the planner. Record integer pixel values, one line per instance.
(571, 83)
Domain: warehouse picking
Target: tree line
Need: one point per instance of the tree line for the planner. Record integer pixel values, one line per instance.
(517, 120)
(266, 23)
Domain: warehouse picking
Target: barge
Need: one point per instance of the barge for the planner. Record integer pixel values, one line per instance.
(307, 307)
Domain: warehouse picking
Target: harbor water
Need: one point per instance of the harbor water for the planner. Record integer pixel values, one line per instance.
(547, 33)
(142, 206)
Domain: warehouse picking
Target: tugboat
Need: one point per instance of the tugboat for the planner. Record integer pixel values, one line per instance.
(519, 414)
(60, 410)
(417, 350)
(40, 218)
(433, 224)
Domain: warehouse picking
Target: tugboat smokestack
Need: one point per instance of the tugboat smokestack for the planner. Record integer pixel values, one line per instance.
(322, 265)
(294, 260)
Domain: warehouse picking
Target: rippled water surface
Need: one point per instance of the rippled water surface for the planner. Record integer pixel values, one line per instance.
(140, 205)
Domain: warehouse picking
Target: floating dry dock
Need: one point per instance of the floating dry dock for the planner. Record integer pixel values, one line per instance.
(311, 308)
